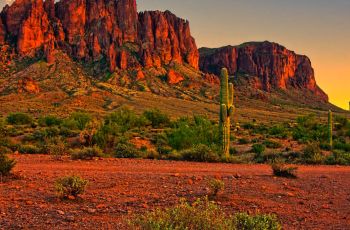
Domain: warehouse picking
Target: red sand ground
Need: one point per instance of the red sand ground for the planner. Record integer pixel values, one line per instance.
(119, 189)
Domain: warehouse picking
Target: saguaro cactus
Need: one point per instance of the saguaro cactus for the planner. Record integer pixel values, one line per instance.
(330, 129)
(226, 111)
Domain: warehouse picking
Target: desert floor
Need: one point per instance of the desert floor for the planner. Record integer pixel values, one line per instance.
(119, 189)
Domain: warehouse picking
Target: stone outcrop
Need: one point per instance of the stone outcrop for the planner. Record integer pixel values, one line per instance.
(272, 64)
(2, 32)
(92, 30)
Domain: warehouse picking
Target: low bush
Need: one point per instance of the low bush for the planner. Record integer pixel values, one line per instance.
(6, 164)
(81, 119)
(49, 121)
(200, 153)
(56, 148)
(29, 149)
(86, 153)
(258, 149)
(281, 170)
(127, 151)
(338, 158)
(215, 186)
(70, 186)
(204, 215)
(272, 144)
(19, 119)
(157, 118)
(188, 132)
(243, 141)
(244, 221)
(312, 154)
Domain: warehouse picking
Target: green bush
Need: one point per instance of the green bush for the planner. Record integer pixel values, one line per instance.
(244, 221)
(56, 148)
(258, 149)
(69, 124)
(200, 153)
(272, 144)
(308, 129)
(281, 170)
(29, 149)
(243, 141)
(127, 151)
(19, 119)
(70, 186)
(49, 121)
(216, 186)
(125, 120)
(188, 132)
(81, 119)
(204, 215)
(86, 153)
(157, 118)
(312, 154)
(6, 165)
(338, 158)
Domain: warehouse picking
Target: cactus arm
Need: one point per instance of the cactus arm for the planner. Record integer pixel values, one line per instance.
(330, 129)
(223, 113)
(231, 94)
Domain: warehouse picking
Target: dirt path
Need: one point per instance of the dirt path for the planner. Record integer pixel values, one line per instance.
(119, 189)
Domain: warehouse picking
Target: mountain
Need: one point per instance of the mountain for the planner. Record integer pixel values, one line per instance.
(269, 66)
(77, 52)
(95, 30)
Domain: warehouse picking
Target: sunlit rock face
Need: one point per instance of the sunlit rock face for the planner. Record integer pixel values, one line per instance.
(92, 30)
(275, 66)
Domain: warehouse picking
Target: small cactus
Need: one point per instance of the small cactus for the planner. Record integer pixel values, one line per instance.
(330, 129)
(226, 111)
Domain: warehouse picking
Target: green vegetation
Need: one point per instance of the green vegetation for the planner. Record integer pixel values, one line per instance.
(19, 119)
(216, 186)
(281, 170)
(204, 215)
(153, 135)
(86, 153)
(226, 112)
(6, 164)
(70, 186)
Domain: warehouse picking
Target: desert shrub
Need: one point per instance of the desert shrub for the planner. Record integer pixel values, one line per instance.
(127, 151)
(69, 124)
(215, 186)
(70, 186)
(258, 148)
(6, 164)
(66, 132)
(188, 132)
(126, 120)
(81, 119)
(244, 221)
(157, 118)
(340, 122)
(19, 119)
(272, 144)
(243, 141)
(308, 129)
(29, 149)
(281, 170)
(312, 154)
(279, 131)
(161, 143)
(87, 153)
(200, 153)
(49, 121)
(338, 158)
(204, 215)
(342, 145)
(249, 126)
(56, 148)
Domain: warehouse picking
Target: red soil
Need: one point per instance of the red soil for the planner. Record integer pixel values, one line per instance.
(120, 189)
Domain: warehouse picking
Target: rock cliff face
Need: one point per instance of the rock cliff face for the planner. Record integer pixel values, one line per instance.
(91, 30)
(275, 66)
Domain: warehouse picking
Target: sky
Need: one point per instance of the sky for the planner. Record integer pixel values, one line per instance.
(319, 29)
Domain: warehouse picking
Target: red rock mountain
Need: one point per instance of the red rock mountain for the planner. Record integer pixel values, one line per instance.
(91, 30)
(273, 65)
(112, 32)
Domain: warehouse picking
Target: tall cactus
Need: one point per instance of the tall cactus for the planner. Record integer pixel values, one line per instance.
(226, 111)
(330, 129)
